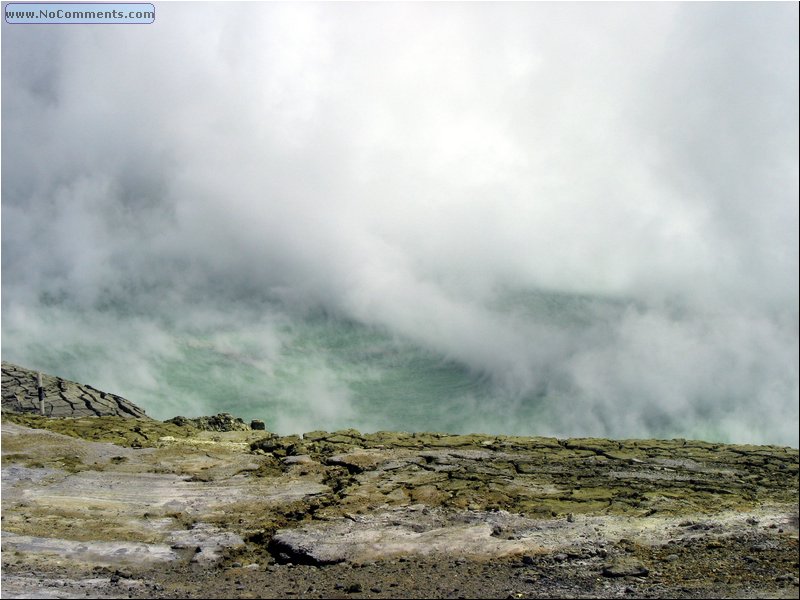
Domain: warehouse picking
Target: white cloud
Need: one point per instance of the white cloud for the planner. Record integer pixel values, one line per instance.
(410, 166)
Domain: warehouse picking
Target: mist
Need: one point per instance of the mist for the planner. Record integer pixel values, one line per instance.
(589, 209)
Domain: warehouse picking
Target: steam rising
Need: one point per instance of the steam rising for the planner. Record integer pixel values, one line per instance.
(590, 210)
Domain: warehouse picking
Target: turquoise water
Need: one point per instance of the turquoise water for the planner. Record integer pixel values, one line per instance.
(333, 373)
(537, 364)
(296, 372)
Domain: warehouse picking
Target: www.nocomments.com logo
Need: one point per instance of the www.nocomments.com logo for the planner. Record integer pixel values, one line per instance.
(67, 13)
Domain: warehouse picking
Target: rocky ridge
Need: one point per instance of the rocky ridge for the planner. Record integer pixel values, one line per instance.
(63, 398)
(120, 507)
(218, 422)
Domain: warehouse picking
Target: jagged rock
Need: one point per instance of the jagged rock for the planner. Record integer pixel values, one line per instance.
(218, 422)
(62, 398)
(290, 445)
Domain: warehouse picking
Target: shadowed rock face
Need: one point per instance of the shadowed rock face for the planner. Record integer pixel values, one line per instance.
(62, 398)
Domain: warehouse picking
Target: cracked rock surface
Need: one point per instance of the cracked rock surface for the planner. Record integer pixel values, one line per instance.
(62, 398)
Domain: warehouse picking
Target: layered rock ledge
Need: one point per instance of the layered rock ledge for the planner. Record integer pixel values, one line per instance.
(119, 507)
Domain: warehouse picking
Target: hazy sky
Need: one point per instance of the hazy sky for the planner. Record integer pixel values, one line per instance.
(406, 165)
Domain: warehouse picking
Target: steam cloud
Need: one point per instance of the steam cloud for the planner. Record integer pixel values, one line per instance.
(414, 168)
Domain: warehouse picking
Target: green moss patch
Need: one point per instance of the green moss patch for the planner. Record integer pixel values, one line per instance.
(131, 433)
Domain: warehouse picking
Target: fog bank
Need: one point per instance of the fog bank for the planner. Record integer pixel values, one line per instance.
(591, 208)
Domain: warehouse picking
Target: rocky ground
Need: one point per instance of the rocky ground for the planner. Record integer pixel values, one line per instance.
(117, 507)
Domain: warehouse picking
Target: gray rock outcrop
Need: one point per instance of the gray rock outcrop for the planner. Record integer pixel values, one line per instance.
(218, 422)
(62, 398)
